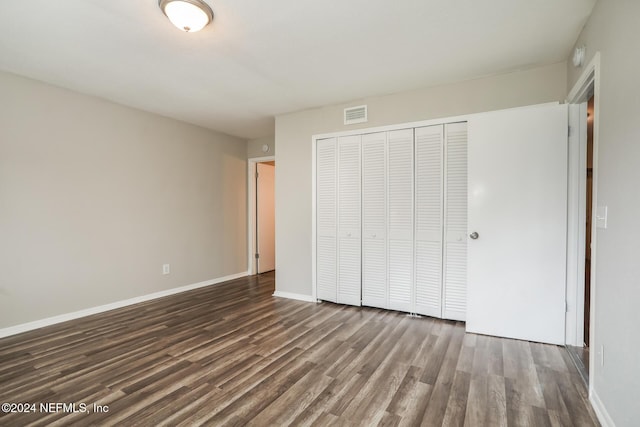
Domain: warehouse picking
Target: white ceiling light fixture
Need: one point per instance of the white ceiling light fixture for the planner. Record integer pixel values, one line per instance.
(188, 15)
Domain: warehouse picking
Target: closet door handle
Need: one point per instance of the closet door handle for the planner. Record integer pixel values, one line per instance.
(474, 235)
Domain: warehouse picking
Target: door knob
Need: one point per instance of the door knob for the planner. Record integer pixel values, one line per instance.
(474, 235)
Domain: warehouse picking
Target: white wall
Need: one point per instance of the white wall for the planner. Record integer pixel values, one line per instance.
(254, 147)
(294, 158)
(613, 30)
(95, 197)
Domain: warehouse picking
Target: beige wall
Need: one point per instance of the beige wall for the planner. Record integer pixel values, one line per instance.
(294, 158)
(254, 147)
(95, 197)
(613, 30)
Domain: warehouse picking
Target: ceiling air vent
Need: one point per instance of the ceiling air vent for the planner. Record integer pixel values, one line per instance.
(354, 115)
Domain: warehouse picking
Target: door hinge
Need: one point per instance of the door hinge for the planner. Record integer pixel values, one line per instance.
(257, 174)
(568, 130)
(257, 256)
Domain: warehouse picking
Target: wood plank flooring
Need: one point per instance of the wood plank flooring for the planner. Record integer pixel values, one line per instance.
(231, 354)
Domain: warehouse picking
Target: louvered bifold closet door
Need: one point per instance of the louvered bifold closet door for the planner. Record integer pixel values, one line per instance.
(429, 211)
(374, 220)
(326, 227)
(454, 303)
(400, 219)
(349, 220)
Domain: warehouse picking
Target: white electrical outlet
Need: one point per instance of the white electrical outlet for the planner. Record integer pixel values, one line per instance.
(166, 268)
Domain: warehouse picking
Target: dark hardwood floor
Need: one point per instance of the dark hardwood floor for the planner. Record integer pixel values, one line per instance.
(231, 354)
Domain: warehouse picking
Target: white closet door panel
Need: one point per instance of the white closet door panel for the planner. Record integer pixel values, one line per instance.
(454, 304)
(400, 275)
(428, 231)
(349, 271)
(326, 269)
(349, 220)
(374, 223)
(429, 278)
(400, 181)
(374, 273)
(326, 227)
(349, 214)
(326, 187)
(455, 244)
(400, 219)
(374, 198)
(429, 143)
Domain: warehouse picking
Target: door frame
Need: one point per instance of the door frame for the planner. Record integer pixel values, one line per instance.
(588, 82)
(252, 265)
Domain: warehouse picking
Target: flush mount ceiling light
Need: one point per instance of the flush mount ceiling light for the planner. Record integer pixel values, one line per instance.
(188, 15)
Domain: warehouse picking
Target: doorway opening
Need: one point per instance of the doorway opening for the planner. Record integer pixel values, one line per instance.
(261, 215)
(581, 255)
(580, 351)
(589, 210)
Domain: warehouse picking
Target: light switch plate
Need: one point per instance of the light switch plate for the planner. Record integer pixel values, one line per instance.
(601, 217)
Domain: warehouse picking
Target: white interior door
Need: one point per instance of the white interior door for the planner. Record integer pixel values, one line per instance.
(349, 221)
(374, 220)
(517, 168)
(265, 217)
(326, 217)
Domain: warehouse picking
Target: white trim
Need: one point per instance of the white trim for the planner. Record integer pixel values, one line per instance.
(252, 267)
(13, 330)
(580, 89)
(291, 295)
(600, 410)
(594, 204)
(591, 77)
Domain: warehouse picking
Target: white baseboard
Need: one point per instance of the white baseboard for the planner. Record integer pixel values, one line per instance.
(13, 330)
(600, 410)
(291, 295)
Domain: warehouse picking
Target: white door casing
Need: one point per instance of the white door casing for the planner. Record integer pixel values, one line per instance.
(517, 196)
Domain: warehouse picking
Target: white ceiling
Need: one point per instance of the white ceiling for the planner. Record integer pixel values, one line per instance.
(261, 58)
